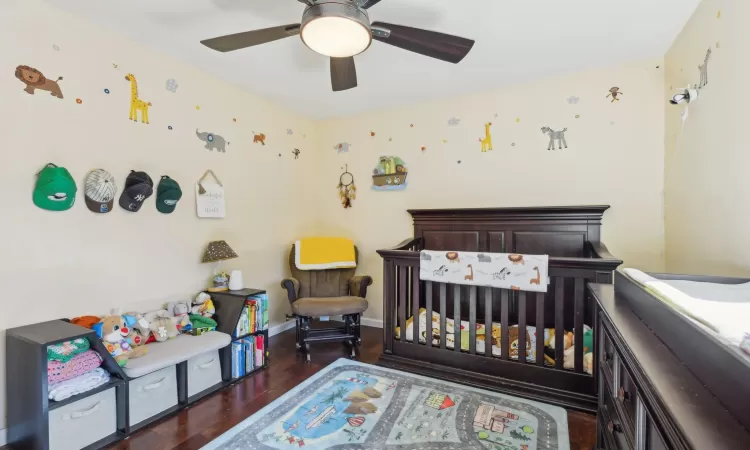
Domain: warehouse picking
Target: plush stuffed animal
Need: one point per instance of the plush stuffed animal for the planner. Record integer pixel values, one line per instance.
(113, 330)
(163, 328)
(203, 305)
(588, 363)
(567, 341)
(153, 315)
(180, 311)
(588, 341)
(139, 329)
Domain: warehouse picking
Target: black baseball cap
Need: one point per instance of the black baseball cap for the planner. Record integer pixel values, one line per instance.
(138, 187)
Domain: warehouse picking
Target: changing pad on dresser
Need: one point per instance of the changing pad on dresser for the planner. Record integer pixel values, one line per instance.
(723, 308)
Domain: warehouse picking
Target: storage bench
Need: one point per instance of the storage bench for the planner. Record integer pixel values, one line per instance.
(170, 373)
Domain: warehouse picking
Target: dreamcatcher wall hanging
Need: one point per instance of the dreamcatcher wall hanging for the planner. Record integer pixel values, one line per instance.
(347, 189)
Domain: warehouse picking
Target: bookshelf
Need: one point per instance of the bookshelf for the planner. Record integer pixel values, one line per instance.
(229, 308)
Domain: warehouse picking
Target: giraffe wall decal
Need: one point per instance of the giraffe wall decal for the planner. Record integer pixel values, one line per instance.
(136, 104)
(487, 141)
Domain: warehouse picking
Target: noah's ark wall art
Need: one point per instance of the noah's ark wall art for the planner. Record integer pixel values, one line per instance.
(390, 174)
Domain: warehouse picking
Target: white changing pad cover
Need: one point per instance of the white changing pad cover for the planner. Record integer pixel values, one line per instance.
(723, 308)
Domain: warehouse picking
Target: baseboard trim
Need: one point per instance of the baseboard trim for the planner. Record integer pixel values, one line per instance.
(3, 437)
(375, 323)
(280, 328)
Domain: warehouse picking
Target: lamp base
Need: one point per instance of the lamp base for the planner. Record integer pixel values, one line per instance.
(217, 289)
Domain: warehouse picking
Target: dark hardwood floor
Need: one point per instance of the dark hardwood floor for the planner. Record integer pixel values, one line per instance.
(208, 419)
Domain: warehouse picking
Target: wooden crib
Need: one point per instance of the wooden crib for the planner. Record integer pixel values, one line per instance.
(569, 235)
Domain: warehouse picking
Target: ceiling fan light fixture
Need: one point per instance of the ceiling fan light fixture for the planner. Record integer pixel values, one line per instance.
(336, 29)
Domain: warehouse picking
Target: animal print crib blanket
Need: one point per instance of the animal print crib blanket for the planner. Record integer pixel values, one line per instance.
(500, 270)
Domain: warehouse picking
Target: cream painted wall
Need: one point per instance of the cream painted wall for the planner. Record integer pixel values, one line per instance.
(76, 262)
(615, 157)
(706, 177)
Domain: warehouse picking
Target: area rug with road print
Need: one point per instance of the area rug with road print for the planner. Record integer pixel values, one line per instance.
(351, 405)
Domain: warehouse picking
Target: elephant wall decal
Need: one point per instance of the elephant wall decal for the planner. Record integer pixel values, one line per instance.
(213, 141)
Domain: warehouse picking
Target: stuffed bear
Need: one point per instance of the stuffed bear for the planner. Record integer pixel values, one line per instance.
(179, 311)
(113, 330)
(203, 305)
(163, 328)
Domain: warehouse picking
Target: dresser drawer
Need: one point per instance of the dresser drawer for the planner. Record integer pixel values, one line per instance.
(151, 394)
(81, 423)
(606, 353)
(614, 427)
(626, 395)
(204, 371)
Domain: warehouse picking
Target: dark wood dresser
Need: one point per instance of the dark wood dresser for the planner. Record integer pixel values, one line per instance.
(648, 400)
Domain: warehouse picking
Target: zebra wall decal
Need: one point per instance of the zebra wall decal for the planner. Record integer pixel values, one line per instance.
(704, 70)
(558, 136)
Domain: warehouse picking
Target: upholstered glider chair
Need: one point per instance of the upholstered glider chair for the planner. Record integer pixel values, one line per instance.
(321, 293)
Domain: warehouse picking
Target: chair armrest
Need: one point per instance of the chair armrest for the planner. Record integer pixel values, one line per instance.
(358, 285)
(292, 288)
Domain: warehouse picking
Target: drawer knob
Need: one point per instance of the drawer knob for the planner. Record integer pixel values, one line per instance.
(622, 394)
(613, 427)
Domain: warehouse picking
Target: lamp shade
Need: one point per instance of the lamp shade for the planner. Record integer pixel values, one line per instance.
(218, 251)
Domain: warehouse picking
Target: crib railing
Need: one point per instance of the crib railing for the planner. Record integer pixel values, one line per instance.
(564, 307)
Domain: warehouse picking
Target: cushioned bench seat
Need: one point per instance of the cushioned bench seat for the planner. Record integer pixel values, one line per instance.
(173, 351)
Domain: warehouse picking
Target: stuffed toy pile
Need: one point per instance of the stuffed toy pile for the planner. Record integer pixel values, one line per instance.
(125, 335)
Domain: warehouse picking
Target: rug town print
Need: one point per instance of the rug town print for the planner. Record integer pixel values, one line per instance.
(358, 406)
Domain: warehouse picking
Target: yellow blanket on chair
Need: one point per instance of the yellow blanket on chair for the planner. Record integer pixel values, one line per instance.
(319, 253)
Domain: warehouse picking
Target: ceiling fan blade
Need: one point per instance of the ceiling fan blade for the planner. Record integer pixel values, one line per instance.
(429, 43)
(246, 39)
(343, 74)
(370, 3)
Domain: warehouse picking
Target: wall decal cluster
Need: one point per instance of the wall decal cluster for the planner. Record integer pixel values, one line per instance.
(34, 79)
(172, 85)
(213, 141)
(136, 104)
(487, 140)
(558, 136)
(390, 174)
(614, 92)
(259, 138)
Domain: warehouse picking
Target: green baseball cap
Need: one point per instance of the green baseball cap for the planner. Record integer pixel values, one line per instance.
(168, 193)
(55, 189)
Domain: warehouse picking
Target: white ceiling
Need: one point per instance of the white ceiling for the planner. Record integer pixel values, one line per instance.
(517, 41)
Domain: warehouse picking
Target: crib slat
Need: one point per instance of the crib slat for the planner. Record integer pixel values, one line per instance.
(428, 308)
(473, 320)
(504, 323)
(488, 321)
(389, 306)
(402, 300)
(457, 318)
(578, 325)
(522, 326)
(559, 321)
(443, 315)
(415, 305)
(540, 328)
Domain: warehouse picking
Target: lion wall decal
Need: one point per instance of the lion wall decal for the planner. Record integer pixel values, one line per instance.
(34, 79)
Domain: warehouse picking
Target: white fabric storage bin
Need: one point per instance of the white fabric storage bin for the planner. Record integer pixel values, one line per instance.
(203, 372)
(151, 394)
(81, 423)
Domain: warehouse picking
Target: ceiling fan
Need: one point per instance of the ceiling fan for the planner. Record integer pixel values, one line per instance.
(341, 29)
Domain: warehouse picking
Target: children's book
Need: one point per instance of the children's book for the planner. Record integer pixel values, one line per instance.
(249, 349)
(259, 351)
(238, 360)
